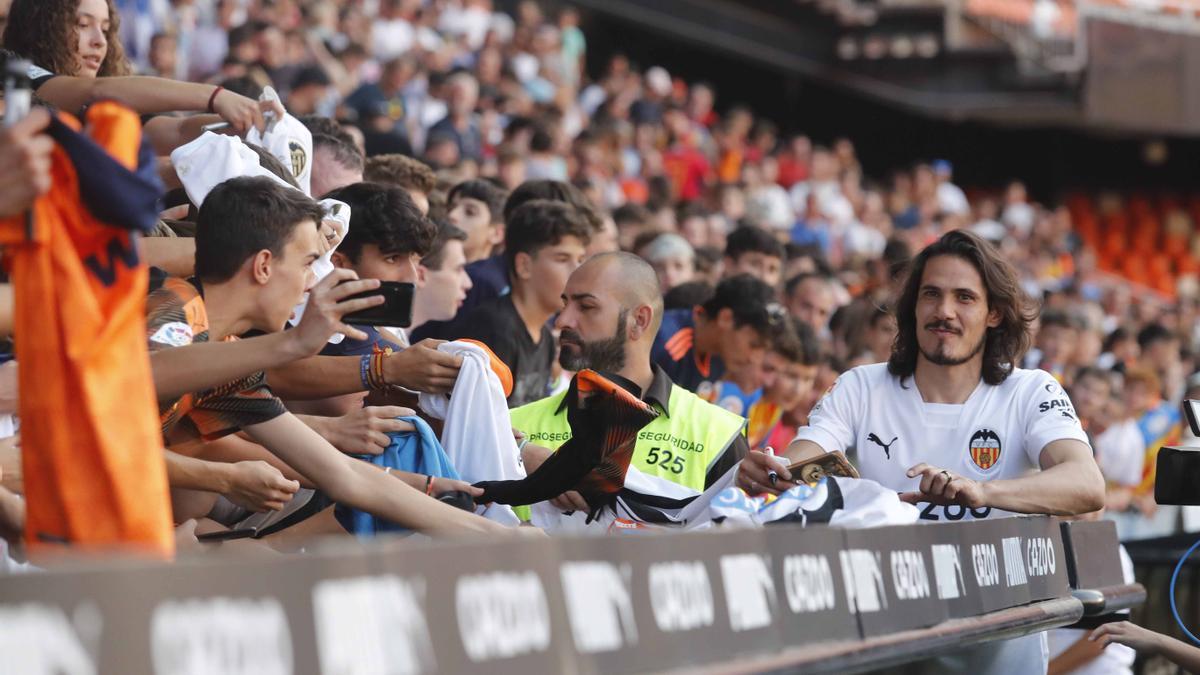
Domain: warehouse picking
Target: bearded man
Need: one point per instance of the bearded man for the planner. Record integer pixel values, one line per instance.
(612, 309)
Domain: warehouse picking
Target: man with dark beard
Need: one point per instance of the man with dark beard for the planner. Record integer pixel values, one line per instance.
(950, 421)
(612, 309)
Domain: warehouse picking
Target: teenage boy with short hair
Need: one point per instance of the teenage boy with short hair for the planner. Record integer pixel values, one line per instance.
(754, 251)
(386, 240)
(546, 241)
(477, 207)
(729, 332)
(445, 281)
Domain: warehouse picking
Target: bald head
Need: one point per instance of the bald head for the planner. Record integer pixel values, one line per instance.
(632, 280)
(612, 310)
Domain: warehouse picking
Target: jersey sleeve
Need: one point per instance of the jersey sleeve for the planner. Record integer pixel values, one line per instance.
(235, 406)
(1049, 416)
(832, 421)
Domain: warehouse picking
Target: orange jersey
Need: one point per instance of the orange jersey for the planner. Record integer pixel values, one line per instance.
(91, 448)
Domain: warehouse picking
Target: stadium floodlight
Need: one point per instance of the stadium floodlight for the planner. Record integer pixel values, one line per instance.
(902, 47)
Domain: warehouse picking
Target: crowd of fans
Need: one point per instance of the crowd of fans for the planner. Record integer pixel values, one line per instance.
(481, 162)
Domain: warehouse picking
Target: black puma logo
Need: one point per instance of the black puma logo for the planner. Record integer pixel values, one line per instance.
(887, 447)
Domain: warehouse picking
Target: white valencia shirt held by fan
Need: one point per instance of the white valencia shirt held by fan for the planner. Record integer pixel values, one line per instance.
(998, 433)
(477, 435)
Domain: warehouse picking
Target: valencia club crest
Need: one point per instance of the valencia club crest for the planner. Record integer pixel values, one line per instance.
(985, 449)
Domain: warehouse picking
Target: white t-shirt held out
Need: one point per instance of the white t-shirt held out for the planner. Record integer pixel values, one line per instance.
(999, 432)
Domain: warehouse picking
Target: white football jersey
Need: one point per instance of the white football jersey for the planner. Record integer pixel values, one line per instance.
(998, 433)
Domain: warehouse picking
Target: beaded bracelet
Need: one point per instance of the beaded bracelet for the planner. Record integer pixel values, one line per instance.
(377, 371)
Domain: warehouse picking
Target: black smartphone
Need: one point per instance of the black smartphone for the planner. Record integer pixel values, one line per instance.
(396, 309)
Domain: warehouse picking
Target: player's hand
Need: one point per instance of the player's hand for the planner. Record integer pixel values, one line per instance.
(940, 486)
(24, 163)
(422, 367)
(365, 430)
(327, 304)
(753, 474)
(570, 501)
(1128, 634)
(258, 486)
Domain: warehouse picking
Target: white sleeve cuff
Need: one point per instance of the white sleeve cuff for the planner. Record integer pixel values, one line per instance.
(819, 436)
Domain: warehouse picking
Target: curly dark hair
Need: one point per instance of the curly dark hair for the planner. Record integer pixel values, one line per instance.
(1005, 344)
(44, 32)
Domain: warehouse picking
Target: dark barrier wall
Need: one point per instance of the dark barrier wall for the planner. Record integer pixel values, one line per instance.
(603, 605)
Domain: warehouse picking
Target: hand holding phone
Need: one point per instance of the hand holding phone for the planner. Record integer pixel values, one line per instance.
(329, 304)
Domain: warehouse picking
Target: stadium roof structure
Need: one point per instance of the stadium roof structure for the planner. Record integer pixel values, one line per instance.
(1102, 65)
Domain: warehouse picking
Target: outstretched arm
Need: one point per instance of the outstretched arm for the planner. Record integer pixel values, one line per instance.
(362, 486)
(420, 367)
(149, 95)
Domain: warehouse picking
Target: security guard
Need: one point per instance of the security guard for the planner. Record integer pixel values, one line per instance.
(611, 314)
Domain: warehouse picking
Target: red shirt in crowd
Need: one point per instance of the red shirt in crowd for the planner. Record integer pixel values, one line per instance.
(687, 168)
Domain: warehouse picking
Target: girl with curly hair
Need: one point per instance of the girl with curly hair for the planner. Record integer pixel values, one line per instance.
(78, 58)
